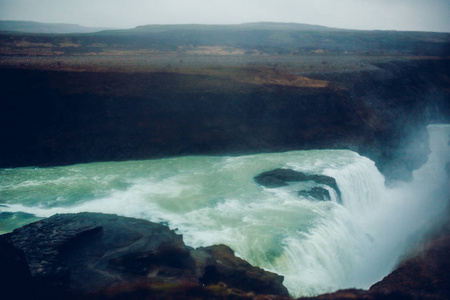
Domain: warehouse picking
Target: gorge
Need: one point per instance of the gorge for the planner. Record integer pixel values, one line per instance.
(180, 134)
(317, 246)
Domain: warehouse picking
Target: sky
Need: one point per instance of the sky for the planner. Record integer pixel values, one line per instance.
(416, 15)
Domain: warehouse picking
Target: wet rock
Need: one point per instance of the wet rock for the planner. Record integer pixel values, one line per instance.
(226, 267)
(279, 177)
(318, 193)
(14, 272)
(282, 177)
(95, 255)
(82, 251)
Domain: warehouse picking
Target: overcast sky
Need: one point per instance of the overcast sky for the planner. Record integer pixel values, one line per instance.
(422, 15)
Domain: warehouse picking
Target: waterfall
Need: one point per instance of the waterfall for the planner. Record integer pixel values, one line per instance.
(319, 246)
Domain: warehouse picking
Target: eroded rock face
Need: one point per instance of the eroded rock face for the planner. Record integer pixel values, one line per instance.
(61, 117)
(80, 255)
(236, 272)
(282, 177)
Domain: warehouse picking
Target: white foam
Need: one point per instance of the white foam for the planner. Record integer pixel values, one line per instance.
(318, 246)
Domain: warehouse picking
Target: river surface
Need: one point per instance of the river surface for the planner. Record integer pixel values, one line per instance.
(319, 246)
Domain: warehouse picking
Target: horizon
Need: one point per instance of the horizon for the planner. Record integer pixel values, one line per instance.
(394, 15)
(230, 24)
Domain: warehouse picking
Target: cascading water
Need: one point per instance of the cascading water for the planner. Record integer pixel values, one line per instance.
(319, 246)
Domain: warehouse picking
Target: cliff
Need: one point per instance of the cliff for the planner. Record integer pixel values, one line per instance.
(166, 90)
(81, 113)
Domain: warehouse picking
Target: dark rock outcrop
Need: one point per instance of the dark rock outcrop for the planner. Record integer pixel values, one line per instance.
(99, 256)
(15, 277)
(318, 193)
(282, 177)
(235, 272)
(60, 118)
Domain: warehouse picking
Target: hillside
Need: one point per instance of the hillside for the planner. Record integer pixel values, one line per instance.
(249, 39)
(50, 28)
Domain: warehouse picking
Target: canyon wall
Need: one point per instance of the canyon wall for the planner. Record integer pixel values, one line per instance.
(66, 117)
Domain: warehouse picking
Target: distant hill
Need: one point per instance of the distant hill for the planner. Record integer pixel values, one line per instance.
(37, 27)
(278, 38)
(248, 38)
(245, 26)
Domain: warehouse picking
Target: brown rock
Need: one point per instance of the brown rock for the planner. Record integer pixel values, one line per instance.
(226, 267)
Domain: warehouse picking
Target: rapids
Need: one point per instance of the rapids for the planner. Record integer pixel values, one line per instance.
(319, 246)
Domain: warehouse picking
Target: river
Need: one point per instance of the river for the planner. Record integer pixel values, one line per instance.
(319, 246)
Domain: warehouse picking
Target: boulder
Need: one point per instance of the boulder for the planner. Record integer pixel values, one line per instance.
(96, 255)
(282, 177)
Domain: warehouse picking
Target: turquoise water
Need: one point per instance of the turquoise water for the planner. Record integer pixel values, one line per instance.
(318, 246)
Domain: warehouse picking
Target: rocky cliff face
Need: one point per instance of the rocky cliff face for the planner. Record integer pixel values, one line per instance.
(67, 117)
(397, 100)
(64, 118)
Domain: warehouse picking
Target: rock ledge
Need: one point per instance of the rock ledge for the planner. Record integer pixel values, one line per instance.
(101, 256)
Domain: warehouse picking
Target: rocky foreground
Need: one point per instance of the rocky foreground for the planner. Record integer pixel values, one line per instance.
(97, 256)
